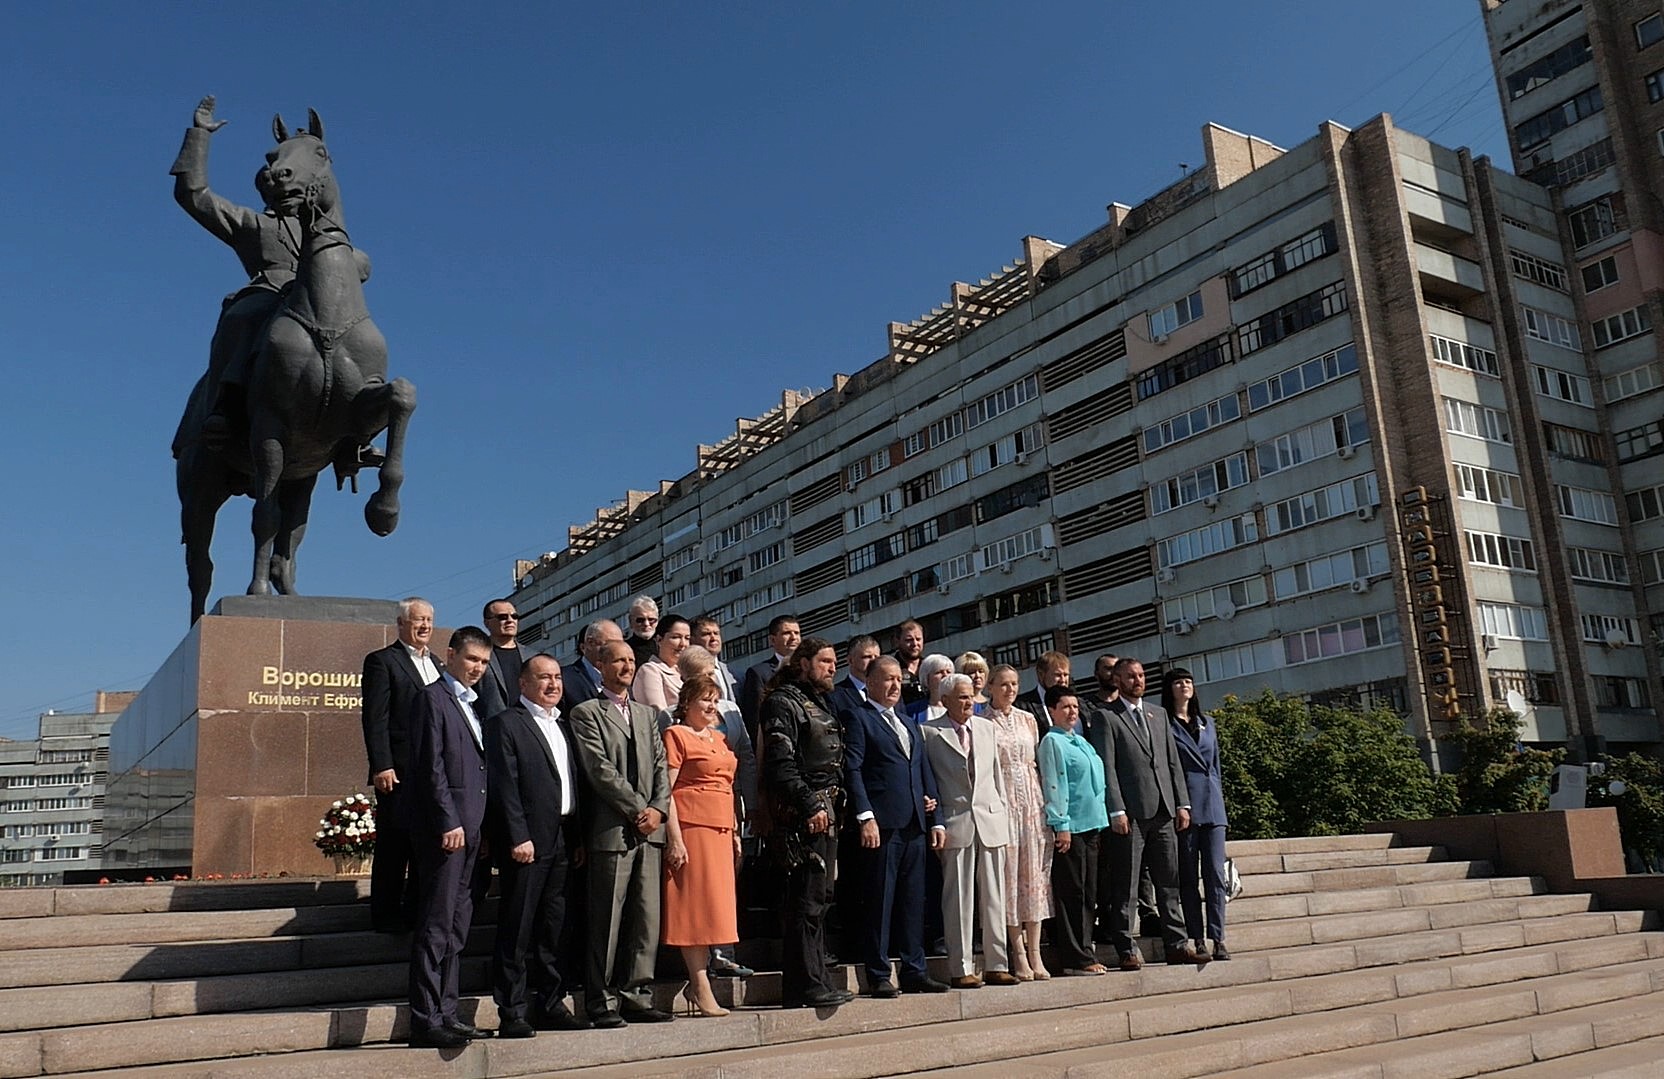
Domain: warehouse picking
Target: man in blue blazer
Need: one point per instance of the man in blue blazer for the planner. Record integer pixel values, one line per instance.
(582, 677)
(891, 793)
(448, 803)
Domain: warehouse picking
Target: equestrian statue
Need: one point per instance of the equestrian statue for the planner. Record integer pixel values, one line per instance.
(297, 370)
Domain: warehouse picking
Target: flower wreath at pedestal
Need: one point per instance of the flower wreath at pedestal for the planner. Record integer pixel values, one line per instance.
(347, 834)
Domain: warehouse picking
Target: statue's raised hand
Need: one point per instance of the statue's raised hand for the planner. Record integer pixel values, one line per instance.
(204, 117)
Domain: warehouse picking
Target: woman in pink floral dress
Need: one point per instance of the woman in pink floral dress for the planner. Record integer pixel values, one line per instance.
(1028, 860)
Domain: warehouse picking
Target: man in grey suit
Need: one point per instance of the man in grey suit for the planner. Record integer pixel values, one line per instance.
(500, 687)
(1148, 799)
(623, 762)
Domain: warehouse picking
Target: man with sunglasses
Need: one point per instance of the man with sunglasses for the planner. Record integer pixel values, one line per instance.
(501, 685)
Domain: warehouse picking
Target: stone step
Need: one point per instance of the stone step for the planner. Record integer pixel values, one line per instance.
(1339, 880)
(95, 929)
(1327, 929)
(1239, 848)
(182, 896)
(1157, 1001)
(1633, 1060)
(1304, 861)
(1254, 908)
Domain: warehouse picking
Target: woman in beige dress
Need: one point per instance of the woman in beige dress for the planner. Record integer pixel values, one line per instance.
(658, 683)
(1028, 860)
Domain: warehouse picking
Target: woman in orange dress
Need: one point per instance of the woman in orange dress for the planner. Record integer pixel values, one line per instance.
(702, 852)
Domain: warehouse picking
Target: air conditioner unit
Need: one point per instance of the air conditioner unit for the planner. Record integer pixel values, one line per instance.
(943, 588)
(1158, 339)
(713, 556)
(1005, 566)
(1347, 452)
(1166, 575)
(1020, 457)
(1210, 501)
(1045, 554)
(1224, 611)
(1360, 585)
(1616, 638)
(854, 616)
(1488, 642)
(886, 515)
(1367, 513)
(1183, 627)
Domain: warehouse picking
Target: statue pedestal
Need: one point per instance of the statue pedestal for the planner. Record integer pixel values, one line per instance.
(227, 759)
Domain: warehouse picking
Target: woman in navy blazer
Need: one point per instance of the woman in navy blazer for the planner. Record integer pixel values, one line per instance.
(1202, 845)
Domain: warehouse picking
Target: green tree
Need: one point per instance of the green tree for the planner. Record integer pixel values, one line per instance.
(1497, 773)
(1640, 806)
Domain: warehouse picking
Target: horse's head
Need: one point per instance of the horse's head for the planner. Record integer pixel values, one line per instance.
(299, 170)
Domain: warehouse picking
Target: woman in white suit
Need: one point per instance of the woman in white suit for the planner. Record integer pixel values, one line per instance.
(970, 834)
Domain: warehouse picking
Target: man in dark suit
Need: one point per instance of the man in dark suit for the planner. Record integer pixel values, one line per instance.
(851, 693)
(393, 679)
(845, 922)
(500, 685)
(533, 829)
(582, 677)
(627, 798)
(890, 794)
(447, 804)
(1050, 669)
(707, 634)
(784, 636)
(1148, 799)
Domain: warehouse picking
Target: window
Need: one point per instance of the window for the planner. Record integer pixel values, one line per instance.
(1543, 272)
(1004, 400)
(1607, 628)
(63, 756)
(1197, 484)
(1194, 422)
(1302, 377)
(1273, 264)
(1462, 354)
(1502, 552)
(1551, 328)
(1621, 326)
(1487, 485)
(1583, 504)
(958, 568)
(1235, 662)
(1193, 362)
(1597, 275)
(1642, 441)
(1649, 31)
(1322, 504)
(729, 575)
(1635, 381)
(1476, 421)
(915, 443)
(62, 854)
(1537, 687)
(871, 554)
(1315, 440)
(1017, 496)
(1541, 127)
(1645, 504)
(947, 428)
(1574, 443)
(1001, 551)
(1205, 541)
(1005, 450)
(1574, 166)
(1603, 567)
(1340, 638)
(687, 556)
(1615, 692)
(1331, 571)
(856, 472)
(879, 461)
(1562, 385)
(952, 474)
(778, 592)
(873, 509)
(1513, 621)
(1652, 566)
(1209, 602)
(15, 856)
(1291, 318)
(1596, 220)
(1179, 313)
(1568, 57)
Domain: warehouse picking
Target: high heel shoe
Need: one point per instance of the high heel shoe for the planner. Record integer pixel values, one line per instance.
(695, 1010)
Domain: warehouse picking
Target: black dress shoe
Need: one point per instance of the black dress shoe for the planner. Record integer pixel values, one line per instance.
(556, 1019)
(516, 1028)
(924, 985)
(607, 1021)
(1220, 952)
(883, 989)
(645, 1015)
(468, 1030)
(438, 1038)
(820, 998)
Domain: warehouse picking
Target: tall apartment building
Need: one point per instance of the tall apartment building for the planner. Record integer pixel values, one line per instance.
(1582, 88)
(52, 795)
(1313, 420)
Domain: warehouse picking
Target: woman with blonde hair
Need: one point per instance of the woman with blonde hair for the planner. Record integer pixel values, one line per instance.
(1028, 858)
(975, 667)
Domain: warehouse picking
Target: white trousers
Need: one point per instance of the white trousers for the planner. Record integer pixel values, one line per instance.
(973, 884)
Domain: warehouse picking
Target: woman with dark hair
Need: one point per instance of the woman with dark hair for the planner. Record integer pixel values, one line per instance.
(658, 683)
(703, 840)
(1202, 845)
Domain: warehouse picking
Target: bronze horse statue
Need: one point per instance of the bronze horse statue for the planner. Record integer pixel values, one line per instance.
(317, 392)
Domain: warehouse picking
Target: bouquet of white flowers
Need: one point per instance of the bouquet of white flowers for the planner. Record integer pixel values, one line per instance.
(348, 828)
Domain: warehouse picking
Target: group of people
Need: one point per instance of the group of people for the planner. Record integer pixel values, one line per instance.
(617, 798)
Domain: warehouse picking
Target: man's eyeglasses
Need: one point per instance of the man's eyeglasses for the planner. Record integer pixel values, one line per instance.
(509, 617)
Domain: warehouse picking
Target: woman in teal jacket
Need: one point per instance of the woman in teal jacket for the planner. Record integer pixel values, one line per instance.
(1072, 777)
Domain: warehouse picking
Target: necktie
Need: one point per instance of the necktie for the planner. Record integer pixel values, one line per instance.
(1143, 727)
(900, 730)
(970, 758)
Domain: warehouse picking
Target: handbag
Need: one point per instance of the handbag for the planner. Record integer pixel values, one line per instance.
(1233, 880)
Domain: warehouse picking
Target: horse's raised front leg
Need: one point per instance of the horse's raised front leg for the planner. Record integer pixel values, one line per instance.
(267, 452)
(396, 400)
(294, 499)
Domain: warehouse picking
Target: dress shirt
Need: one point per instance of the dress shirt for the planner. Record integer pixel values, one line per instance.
(590, 669)
(548, 722)
(424, 664)
(860, 686)
(466, 698)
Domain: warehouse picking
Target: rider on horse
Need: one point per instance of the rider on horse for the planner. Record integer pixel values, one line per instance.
(267, 243)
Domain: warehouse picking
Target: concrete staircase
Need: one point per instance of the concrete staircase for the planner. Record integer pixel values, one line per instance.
(1355, 956)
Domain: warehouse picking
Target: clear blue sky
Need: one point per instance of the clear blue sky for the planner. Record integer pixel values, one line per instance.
(601, 233)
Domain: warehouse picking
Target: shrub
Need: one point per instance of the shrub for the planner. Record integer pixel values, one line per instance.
(1497, 774)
